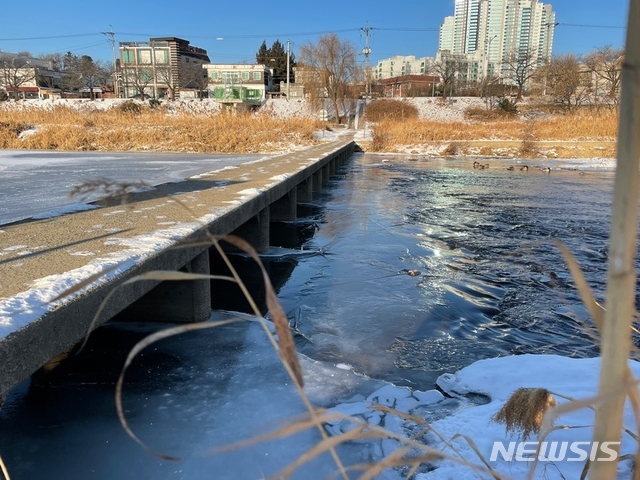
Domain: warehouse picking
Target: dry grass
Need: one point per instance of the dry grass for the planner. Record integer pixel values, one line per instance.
(151, 130)
(524, 411)
(388, 109)
(388, 135)
(480, 114)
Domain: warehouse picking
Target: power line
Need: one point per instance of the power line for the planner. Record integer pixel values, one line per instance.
(589, 26)
(50, 37)
(409, 29)
(256, 35)
(260, 35)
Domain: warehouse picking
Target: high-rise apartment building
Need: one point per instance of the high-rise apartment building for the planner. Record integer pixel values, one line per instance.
(488, 31)
(445, 39)
(402, 65)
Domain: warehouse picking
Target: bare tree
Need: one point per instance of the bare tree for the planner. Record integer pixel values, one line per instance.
(84, 72)
(194, 76)
(56, 59)
(334, 66)
(566, 82)
(92, 74)
(15, 71)
(520, 67)
(139, 79)
(165, 76)
(448, 69)
(606, 64)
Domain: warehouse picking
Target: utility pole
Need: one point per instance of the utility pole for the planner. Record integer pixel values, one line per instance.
(288, 57)
(111, 39)
(366, 51)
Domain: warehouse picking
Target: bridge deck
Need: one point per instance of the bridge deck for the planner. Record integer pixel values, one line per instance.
(40, 258)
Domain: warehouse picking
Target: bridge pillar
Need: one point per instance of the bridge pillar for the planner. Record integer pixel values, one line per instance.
(332, 166)
(256, 231)
(175, 301)
(286, 208)
(325, 175)
(317, 180)
(305, 190)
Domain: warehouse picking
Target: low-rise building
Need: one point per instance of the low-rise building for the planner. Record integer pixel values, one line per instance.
(160, 67)
(25, 77)
(238, 83)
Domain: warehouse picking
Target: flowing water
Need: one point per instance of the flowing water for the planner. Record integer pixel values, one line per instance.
(404, 268)
(491, 281)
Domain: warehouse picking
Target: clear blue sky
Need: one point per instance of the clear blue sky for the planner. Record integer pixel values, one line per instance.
(232, 31)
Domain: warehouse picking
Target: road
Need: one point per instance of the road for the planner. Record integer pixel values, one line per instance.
(37, 183)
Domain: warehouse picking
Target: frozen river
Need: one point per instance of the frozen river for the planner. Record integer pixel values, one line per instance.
(421, 267)
(33, 183)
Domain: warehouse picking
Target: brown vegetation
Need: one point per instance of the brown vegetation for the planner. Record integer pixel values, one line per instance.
(494, 129)
(524, 411)
(151, 130)
(398, 110)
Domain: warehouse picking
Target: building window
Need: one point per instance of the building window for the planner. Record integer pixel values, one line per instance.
(161, 56)
(257, 75)
(127, 57)
(144, 57)
(245, 75)
(230, 77)
(145, 75)
(214, 75)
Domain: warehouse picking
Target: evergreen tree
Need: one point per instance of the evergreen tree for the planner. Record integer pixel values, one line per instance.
(276, 59)
(262, 56)
(70, 61)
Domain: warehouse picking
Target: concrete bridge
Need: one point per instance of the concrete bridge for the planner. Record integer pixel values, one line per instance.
(40, 257)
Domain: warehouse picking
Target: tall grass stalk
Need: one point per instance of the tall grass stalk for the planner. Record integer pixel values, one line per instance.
(621, 281)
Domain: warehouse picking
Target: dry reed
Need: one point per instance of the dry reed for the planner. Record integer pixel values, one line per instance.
(598, 126)
(63, 128)
(524, 410)
(390, 110)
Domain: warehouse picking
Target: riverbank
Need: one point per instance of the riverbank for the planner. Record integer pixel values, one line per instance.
(278, 126)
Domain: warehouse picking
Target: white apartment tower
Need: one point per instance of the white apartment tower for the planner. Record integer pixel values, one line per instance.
(490, 30)
(402, 65)
(445, 39)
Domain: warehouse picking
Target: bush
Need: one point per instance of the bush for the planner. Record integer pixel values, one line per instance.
(506, 106)
(154, 103)
(384, 109)
(130, 107)
(4, 96)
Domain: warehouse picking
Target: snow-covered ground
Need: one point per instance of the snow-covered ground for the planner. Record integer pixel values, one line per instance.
(428, 108)
(497, 379)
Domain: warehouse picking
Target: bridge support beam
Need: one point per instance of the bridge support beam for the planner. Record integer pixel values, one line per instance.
(325, 175)
(176, 301)
(256, 231)
(317, 180)
(305, 190)
(286, 208)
